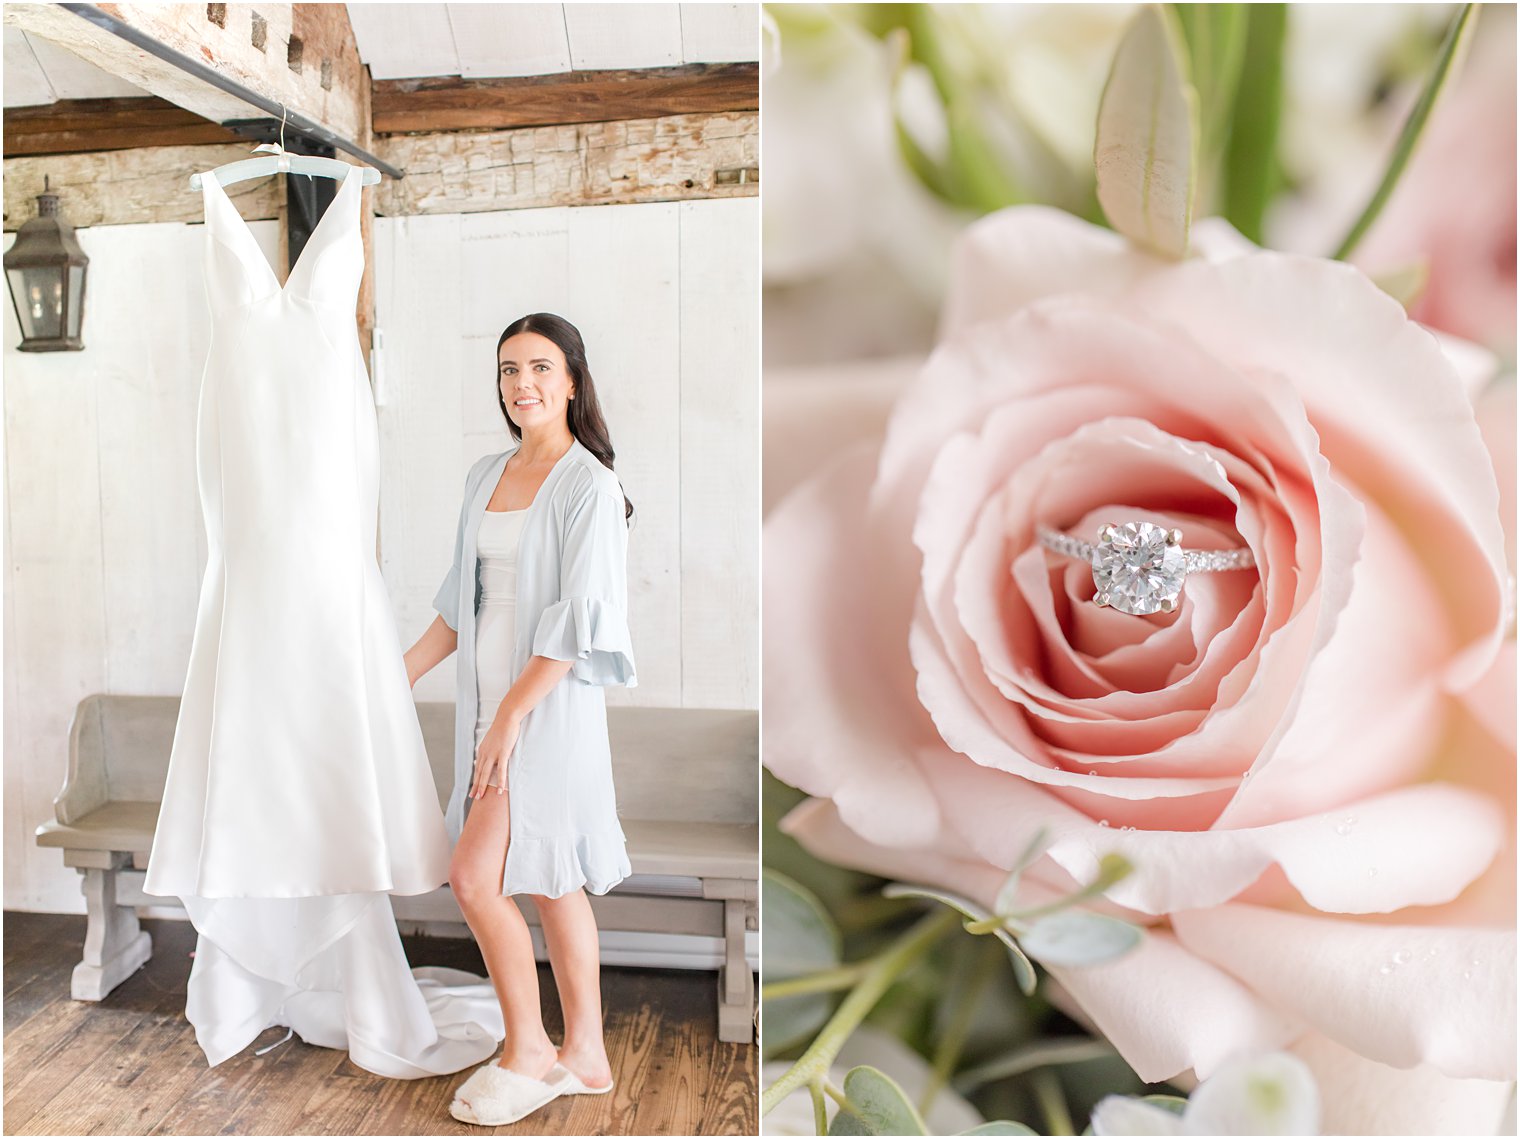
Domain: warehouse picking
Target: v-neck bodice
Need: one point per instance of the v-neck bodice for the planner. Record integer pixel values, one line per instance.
(327, 273)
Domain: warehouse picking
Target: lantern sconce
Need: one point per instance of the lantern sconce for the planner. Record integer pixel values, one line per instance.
(45, 270)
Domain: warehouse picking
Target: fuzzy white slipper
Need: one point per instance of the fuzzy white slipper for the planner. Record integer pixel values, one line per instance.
(493, 1096)
(578, 1087)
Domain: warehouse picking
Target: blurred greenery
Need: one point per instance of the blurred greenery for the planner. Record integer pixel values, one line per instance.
(957, 1005)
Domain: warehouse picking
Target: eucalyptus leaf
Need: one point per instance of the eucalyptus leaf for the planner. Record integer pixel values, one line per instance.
(1007, 896)
(1113, 867)
(955, 901)
(1146, 150)
(1077, 937)
(877, 1106)
(1000, 1127)
(1023, 970)
(800, 938)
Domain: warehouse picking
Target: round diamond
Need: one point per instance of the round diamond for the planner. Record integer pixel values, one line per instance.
(1136, 569)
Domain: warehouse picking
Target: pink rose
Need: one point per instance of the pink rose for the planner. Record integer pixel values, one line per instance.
(1286, 759)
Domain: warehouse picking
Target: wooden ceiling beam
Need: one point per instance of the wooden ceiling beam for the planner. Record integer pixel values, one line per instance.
(80, 126)
(452, 103)
(301, 55)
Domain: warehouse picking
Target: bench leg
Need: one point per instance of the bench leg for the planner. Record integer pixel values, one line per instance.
(736, 984)
(115, 946)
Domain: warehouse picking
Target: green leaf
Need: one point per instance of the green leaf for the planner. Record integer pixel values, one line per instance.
(1076, 937)
(877, 1106)
(1452, 47)
(1008, 892)
(1404, 284)
(1252, 169)
(1216, 42)
(1112, 868)
(999, 1127)
(1023, 971)
(1028, 1057)
(1146, 150)
(800, 938)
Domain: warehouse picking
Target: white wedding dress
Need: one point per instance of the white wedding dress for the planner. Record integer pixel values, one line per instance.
(299, 795)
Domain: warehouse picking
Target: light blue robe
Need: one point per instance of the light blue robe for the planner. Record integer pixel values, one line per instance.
(572, 604)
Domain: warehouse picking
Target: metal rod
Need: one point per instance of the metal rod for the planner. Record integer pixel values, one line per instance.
(293, 121)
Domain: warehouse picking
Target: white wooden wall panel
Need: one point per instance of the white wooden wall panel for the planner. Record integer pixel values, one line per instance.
(55, 641)
(147, 388)
(501, 40)
(422, 453)
(719, 33)
(624, 267)
(606, 36)
(104, 542)
(720, 425)
(404, 41)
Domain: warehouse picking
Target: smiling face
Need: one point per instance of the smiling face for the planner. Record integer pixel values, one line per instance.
(535, 384)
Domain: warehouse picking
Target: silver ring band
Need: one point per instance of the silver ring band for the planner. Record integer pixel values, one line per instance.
(1139, 567)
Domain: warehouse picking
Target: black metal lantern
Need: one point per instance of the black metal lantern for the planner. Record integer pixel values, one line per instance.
(44, 268)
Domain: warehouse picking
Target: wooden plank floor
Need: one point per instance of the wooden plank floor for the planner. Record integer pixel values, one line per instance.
(129, 1065)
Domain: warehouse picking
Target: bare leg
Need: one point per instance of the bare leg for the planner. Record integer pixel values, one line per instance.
(570, 933)
(475, 873)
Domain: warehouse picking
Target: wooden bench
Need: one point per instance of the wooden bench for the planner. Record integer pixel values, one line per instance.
(687, 797)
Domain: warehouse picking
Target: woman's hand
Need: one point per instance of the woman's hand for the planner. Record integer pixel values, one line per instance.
(492, 756)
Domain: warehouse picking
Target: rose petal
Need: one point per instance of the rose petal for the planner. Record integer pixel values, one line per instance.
(1400, 995)
(1362, 1097)
(1418, 845)
(811, 414)
(1388, 405)
(831, 654)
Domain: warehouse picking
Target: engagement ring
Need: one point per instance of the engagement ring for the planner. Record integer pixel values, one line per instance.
(1138, 567)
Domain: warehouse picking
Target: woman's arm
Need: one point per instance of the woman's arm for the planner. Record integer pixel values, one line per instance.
(536, 680)
(431, 648)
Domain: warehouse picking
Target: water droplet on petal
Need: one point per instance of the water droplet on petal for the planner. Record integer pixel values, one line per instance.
(1346, 826)
(1432, 951)
(1386, 969)
(1401, 957)
(1467, 974)
(1372, 871)
(1103, 822)
(1476, 962)
(1090, 772)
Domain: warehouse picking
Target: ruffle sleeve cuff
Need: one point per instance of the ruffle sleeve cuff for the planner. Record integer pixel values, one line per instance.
(592, 633)
(446, 601)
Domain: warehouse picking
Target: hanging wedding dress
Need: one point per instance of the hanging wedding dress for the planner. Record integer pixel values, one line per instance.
(299, 796)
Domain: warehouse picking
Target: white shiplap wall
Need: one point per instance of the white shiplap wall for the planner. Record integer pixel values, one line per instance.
(104, 545)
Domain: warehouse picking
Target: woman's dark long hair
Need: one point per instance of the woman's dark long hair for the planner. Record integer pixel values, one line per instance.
(584, 412)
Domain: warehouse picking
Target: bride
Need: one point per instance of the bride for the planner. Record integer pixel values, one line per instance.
(535, 605)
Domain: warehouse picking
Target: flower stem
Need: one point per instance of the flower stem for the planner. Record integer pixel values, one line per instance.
(820, 1116)
(952, 1042)
(882, 970)
(1414, 126)
(827, 981)
(1047, 1090)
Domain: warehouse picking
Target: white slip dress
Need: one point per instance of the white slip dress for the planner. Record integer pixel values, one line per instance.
(496, 623)
(299, 795)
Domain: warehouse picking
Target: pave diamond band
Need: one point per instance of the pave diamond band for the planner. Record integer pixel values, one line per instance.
(1139, 567)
